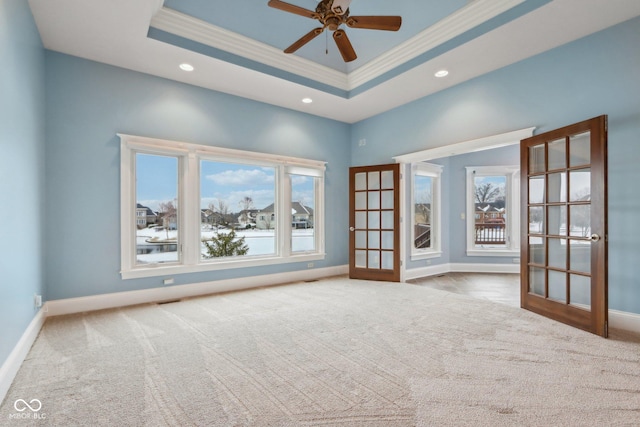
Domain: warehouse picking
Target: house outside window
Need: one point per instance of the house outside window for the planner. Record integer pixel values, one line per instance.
(493, 212)
(216, 208)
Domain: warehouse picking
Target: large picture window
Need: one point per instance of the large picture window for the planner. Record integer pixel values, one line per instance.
(493, 214)
(189, 208)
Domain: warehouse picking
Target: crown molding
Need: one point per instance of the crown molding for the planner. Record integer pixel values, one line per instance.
(200, 31)
(461, 21)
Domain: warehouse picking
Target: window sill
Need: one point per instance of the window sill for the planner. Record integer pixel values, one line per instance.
(164, 270)
(493, 252)
(425, 255)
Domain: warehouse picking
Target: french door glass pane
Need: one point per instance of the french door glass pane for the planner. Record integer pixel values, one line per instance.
(303, 196)
(361, 181)
(374, 181)
(361, 239)
(387, 240)
(580, 149)
(374, 220)
(237, 202)
(361, 259)
(580, 185)
(387, 180)
(580, 256)
(387, 220)
(536, 220)
(374, 200)
(536, 159)
(361, 200)
(557, 191)
(536, 189)
(374, 259)
(557, 253)
(374, 240)
(557, 154)
(580, 220)
(580, 291)
(558, 286)
(557, 220)
(387, 260)
(157, 209)
(361, 220)
(537, 281)
(387, 199)
(536, 250)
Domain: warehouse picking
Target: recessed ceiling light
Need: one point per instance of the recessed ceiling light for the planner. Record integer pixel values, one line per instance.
(442, 73)
(186, 67)
(307, 100)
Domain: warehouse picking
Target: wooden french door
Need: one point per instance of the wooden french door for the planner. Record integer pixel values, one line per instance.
(374, 223)
(564, 225)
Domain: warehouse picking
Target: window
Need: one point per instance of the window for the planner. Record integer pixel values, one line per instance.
(190, 208)
(425, 211)
(493, 214)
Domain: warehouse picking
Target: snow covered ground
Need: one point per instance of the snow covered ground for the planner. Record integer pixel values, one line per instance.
(260, 242)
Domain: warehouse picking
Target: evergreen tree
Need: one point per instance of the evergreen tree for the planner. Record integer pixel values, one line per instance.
(225, 244)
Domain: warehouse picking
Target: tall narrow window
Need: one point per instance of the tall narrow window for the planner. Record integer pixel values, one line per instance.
(492, 211)
(425, 210)
(157, 209)
(303, 202)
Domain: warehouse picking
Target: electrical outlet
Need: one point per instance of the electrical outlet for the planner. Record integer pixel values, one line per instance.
(168, 281)
(37, 301)
(428, 262)
(362, 142)
(516, 260)
(310, 265)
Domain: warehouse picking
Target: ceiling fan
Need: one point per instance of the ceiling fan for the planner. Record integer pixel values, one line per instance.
(332, 14)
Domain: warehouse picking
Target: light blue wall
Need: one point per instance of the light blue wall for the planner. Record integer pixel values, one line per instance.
(21, 170)
(596, 75)
(88, 103)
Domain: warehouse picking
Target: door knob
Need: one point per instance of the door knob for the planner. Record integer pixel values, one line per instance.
(595, 237)
(352, 229)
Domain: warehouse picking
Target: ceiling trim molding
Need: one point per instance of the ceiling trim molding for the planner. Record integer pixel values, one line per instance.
(459, 22)
(471, 146)
(191, 28)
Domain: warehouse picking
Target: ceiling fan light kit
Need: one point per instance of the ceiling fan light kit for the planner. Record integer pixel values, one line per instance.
(332, 14)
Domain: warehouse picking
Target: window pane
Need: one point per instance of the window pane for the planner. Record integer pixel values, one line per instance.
(536, 159)
(423, 206)
(558, 154)
(580, 149)
(303, 196)
(237, 210)
(490, 210)
(156, 209)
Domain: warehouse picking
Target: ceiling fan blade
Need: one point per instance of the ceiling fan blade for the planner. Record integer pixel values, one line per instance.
(292, 8)
(304, 40)
(344, 46)
(386, 23)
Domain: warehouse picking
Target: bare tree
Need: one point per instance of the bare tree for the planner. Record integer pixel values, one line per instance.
(221, 212)
(169, 213)
(246, 204)
(487, 192)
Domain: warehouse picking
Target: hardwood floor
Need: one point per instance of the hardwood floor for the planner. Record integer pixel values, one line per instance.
(501, 288)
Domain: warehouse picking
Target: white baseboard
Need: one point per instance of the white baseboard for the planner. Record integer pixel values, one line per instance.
(434, 270)
(10, 367)
(624, 320)
(122, 299)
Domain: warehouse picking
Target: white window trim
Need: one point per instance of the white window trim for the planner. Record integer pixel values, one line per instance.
(512, 225)
(189, 156)
(435, 172)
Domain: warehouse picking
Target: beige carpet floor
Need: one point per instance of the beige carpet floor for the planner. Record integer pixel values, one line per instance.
(334, 352)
